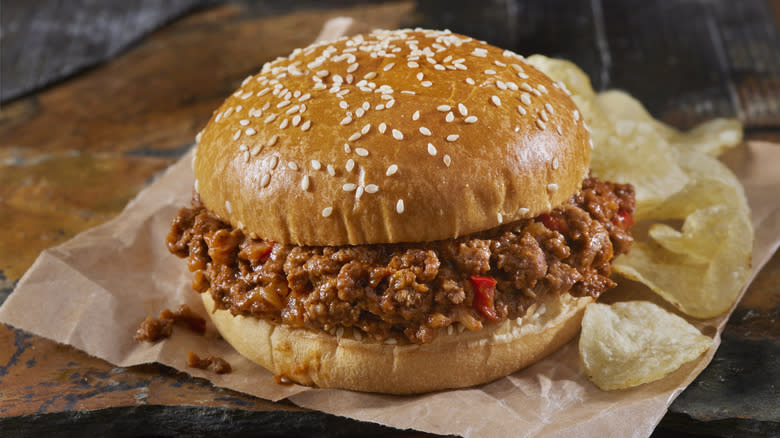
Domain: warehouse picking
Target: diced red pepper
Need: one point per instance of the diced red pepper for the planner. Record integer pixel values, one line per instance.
(553, 223)
(484, 292)
(267, 252)
(623, 219)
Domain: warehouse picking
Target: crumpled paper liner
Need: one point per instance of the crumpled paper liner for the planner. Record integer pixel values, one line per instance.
(94, 290)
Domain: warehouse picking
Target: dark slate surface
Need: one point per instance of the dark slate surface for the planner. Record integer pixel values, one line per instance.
(46, 40)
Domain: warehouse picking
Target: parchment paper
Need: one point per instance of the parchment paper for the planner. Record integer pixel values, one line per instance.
(93, 291)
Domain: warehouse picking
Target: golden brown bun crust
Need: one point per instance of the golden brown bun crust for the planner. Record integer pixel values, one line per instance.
(517, 149)
(451, 361)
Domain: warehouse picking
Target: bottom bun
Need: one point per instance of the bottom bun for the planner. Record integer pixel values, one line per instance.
(452, 360)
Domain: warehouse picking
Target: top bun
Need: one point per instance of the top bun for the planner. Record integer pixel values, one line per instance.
(394, 136)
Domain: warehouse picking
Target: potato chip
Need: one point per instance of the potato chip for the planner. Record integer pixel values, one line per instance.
(630, 343)
(701, 269)
(712, 138)
(711, 183)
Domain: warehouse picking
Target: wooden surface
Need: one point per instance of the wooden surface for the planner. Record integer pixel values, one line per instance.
(73, 154)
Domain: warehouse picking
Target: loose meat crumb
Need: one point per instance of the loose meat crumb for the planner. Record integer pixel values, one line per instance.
(410, 290)
(153, 329)
(214, 364)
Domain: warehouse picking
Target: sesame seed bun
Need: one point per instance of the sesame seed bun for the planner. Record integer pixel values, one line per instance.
(453, 360)
(395, 136)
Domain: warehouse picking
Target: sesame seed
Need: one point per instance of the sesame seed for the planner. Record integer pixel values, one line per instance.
(543, 115)
(284, 124)
(552, 187)
(420, 76)
(500, 217)
(523, 210)
(274, 162)
(250, 131)
(526, 87)
(576, 115)
(412, 64)
(361, 151)
(359, 192)
(499, 63)
(304, 98)
(355, 136)
(391, 170)
(345, 121)
(431, 149)
(470, 81)
(540, 124)
(453, 137)
(388, 66)
(343, 104)
(347, 149)
(270, 118)
(265, 179)
(292, 165)
(416, 115)
(322, 73)
(306, 125)
(263, 92)
(443, 108)
(331, 170)
(360, 112)
(463, 110)
(558, 128)
(351, 68)
(426, 83)
(425, 131)
(327, 211)
(382, 127)
(370, 75)
(450, 117)
(296, 120)
(525, 98)
(549, 108)
(555, 163)
(292, 109)
(399, 206)
(246, 95)
(243, 122)
(501, 85)
(390, 103)
(305, 183)
(366, 106)
(496, 101)
(316, 165)
(380, 107)
(447, 160)
(348, 187)
(490, 72)
(272, 141)
(366, 128)
(542, 88)
(470, 119)
(283, 104)
(521, 110)
(228, 207)
(397, 134)
(237, 134)
(371, 188)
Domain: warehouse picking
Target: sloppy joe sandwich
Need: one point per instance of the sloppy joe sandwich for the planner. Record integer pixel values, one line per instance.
(399, 212)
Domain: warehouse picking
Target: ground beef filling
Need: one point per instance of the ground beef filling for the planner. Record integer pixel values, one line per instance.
(408, 291)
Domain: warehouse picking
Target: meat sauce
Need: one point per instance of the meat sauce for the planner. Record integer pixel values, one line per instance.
(410, 290)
